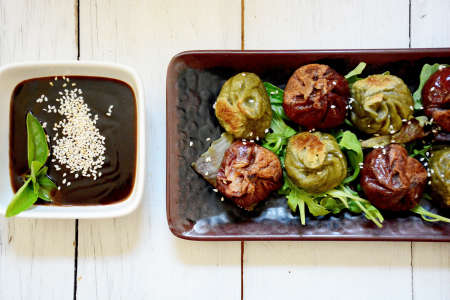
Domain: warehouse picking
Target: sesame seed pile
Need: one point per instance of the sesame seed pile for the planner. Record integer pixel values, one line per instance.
(78, 144)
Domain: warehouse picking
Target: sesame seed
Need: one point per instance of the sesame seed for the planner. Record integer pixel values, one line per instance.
(64, 85)
(56, 78)
(251, 133)
(333, 106)
(69, 183)
(222, 199)
(244, 143)
(334, 82)
(243, 74)
(208, 139)
(76, 175)
(191, 143)
(257, 138)
(51, 83)
(59, 188)
(74, 84)
(44, 125)
(64, 181)
(411, 107)
(206, 173)
(208, 159)
(266, 130)
(215, 190)
(81, 146)
(64, 175)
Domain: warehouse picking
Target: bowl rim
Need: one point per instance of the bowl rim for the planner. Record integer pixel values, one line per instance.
(133, 200)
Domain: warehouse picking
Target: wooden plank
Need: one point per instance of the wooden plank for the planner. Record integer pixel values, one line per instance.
(36, 256)
(430, 27)
(326, 24)
(431, 271)
(327, 270)
(136, 256)
(430, 23)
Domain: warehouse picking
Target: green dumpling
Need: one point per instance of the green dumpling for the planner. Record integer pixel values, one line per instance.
(314, 162)
(440, 174)
(243, 106)
(381, 104)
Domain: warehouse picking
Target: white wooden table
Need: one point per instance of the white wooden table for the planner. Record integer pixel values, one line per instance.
(136, 257)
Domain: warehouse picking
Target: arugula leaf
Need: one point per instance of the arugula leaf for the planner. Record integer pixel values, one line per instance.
(276, 141)
(276, 99)
(425, 74)
(351, 199)
(36, 141)
(297, 198)
(352, 76)
(350, 144)
(429, 216)
(22, 200)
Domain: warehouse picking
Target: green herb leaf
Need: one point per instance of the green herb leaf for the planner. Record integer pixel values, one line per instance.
(352, 76)
(45, 194)
(425, 74)
(277, 140)
(350, 144)
(22, 200)
(429, 216)
(46, 182)
(276, 100)
(37, 141)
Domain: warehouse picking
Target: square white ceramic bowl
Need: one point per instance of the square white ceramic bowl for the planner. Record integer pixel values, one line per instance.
(10, 76)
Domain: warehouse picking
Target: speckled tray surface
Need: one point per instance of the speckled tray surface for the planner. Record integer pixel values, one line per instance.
(194, 210)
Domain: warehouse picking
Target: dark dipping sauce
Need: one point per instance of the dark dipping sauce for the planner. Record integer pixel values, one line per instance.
(119, 130)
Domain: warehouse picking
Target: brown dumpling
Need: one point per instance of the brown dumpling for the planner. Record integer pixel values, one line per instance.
(436, 98)
(316, 97)
(391, 179)
(248, 174)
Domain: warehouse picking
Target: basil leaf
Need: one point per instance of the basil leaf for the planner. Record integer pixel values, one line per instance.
(45, 194)
(425, 74)
(22, 200)
(46, 182)
(350, 144)
(36, 141)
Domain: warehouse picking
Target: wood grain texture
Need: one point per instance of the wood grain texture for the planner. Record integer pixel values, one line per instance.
(431, 273)
(36, 256)
(136, 256)
(326, 24)
(327, 270)
(430, 23)
(430, 27)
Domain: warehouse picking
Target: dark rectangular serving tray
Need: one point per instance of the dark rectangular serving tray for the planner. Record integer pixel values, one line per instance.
(194, 210)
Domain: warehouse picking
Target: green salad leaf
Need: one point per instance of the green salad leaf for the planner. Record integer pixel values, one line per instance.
(352, 76)
(38, 184)
(277, 139)
(429, 216)
(332, 201)
(350, 144)
(276, 99)
(425, 74)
